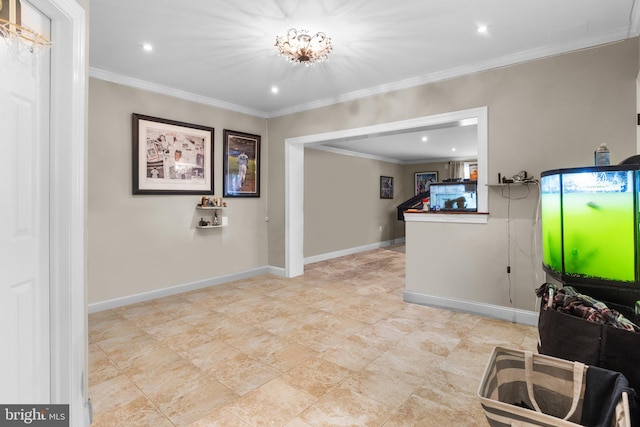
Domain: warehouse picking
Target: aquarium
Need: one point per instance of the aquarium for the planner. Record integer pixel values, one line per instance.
(551, 222)
(589, 226)
(453, 196)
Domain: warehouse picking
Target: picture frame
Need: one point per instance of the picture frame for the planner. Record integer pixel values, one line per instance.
(422, 180)
(473, 171)
(386, 187)
(241, 164)
(171, 157)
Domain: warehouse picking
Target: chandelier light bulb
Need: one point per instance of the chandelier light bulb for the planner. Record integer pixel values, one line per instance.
(299, 47)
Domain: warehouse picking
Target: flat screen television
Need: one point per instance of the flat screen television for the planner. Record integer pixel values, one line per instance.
(590, 230)
(454, 196)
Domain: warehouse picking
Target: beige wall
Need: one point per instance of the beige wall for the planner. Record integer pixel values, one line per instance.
(342, 203)
(543, 114)
(348, 212)
(144, 243)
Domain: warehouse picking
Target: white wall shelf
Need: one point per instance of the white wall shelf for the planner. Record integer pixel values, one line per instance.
(211, 215)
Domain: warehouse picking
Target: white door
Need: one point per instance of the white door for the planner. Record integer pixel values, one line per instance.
(24, 218)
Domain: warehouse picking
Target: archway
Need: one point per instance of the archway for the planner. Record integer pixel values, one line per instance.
(294, 171)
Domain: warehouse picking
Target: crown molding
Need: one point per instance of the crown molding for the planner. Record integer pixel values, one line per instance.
(351, 153)
(514, 59)
(176, 93)
(518, 58)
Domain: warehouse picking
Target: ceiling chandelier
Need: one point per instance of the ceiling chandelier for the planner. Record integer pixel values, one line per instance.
(300, 47)
(10, 31)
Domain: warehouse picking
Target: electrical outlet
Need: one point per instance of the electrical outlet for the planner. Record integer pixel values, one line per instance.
(380, 228)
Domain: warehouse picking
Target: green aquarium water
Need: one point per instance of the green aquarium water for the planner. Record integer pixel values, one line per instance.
(599, 235)
(597, 224)
(551, 223)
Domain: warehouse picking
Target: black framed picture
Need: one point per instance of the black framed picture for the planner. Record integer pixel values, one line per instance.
(386, 187)
(171, 157)
(422, 180)
(241, 174)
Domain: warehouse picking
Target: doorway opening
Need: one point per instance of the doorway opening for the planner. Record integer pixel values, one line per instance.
(294, 171)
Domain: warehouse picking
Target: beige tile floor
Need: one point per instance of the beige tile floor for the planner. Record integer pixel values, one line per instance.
(336, 347)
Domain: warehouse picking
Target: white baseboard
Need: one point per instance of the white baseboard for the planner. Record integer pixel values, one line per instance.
(524, 317)
(277, 271)
(186, 287)
(350, 251)
(178, 289)
(499, 312)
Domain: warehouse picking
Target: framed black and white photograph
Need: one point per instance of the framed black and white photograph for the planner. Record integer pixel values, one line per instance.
(171, 157)
(386, 187)
(422, 180)
(241, 168)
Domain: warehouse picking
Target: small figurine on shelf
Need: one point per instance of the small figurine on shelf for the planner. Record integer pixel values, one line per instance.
(202, 222)
(215, 219)
(203, 202)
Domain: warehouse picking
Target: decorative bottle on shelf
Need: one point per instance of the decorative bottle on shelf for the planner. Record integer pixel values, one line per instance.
(602, 157)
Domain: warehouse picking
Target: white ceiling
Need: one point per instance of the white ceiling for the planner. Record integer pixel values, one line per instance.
(449, 141)
(221, 53)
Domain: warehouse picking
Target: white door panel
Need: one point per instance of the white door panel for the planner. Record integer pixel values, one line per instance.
(24, 220)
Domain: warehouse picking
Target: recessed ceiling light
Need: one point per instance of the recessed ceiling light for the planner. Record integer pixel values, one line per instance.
(274, 89)
(453, 149)
(483, 29)
(425, 139)
(147, 47)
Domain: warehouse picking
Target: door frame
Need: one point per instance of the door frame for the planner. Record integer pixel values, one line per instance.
(294, 171)
(68, 308)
